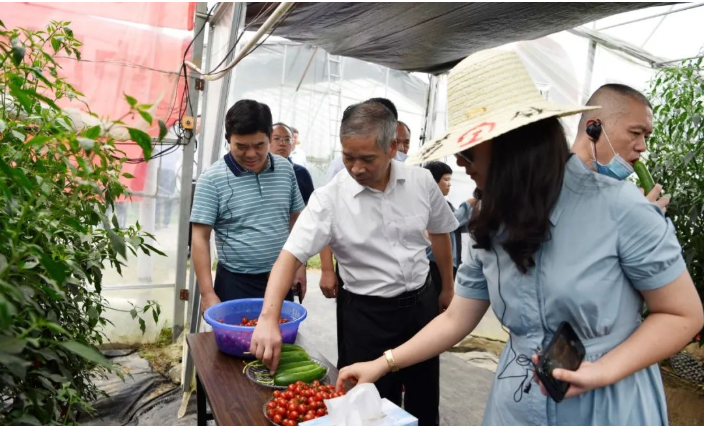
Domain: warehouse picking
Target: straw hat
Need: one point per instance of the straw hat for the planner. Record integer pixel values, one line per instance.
(489, 93)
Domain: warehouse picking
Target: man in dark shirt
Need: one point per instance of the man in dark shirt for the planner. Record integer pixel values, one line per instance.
(282, 144)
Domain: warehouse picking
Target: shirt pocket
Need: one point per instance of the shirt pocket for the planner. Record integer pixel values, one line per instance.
(412, 232)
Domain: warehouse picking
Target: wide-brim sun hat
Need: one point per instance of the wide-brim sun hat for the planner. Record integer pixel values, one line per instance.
(490, 93)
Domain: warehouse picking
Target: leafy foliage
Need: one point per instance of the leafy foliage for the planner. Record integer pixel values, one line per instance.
(57, 189)
(677, 156)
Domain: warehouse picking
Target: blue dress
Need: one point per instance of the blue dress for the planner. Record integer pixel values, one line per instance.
(607, 244)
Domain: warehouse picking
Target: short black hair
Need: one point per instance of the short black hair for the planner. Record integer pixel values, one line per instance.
(438, 169)
(293, 129)
(387, 103)
(247, 117)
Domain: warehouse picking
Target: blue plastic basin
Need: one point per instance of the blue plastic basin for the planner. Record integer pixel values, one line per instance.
(235, 339)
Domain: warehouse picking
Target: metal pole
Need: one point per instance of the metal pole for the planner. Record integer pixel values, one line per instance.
(587, 87)
(669, 12)
(237, 18)
(186, 177)
(188, 375)
(647, 39)
(204, 110)
(282, 88)
(310, 61)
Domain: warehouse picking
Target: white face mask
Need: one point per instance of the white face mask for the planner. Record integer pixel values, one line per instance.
(400, 156)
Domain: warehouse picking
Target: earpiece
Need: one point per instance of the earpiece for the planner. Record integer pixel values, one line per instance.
(594, 129)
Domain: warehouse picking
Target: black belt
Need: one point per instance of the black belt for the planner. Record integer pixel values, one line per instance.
(404, 300)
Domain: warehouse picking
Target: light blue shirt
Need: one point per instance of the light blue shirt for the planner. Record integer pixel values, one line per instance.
(607, 244)
(462, 214)
(249, 212)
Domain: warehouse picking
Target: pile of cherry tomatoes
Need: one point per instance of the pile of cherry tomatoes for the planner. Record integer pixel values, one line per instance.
(252, 322)
(300, 403)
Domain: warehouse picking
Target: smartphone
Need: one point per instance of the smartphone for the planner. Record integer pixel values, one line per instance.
(564, 351)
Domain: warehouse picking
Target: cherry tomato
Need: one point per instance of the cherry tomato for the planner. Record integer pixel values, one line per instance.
(321, 412)
(318, 396)
(291, 407)
(308, 416)
(271, 413)
(302, 408)
(315, 383)
(271, 404)
(277, 419)
(288, 395)
(342, 392)
(291, 387)
(293, 415)
(281, 410)
(277, 393)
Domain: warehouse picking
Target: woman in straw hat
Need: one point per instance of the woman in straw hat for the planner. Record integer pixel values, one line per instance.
(553, 242)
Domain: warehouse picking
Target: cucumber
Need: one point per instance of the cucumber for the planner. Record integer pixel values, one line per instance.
(287, 347)
(291, 357)
(646, 180)
(295, 365)
(306, 376)
(297, 370)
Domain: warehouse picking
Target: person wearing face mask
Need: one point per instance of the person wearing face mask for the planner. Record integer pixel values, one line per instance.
(552, 242)
(403, 140)
(442, 174)
(612, 138)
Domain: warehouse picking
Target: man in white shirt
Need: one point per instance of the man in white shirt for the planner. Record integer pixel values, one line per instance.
(373, 218)
(298, 156)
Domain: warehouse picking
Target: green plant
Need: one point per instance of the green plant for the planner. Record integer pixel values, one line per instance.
(58, 186)
(676, 156)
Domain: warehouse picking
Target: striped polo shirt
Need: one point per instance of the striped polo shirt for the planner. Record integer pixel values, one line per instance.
(249, 212)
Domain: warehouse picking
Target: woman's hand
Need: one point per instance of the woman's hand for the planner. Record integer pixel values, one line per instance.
(589, 376)
(362, 372)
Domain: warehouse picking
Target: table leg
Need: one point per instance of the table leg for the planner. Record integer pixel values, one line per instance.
(200, 402)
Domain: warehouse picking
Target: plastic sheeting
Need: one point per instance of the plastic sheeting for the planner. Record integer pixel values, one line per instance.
(430, 37)
(271, 74)
(134, 49)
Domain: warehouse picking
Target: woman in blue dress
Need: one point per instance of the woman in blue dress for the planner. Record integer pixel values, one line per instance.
(553, 242)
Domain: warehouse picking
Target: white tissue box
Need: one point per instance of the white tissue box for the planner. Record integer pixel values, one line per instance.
(394, 416)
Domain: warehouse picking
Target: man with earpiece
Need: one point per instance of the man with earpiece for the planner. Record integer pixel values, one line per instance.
(610, 139)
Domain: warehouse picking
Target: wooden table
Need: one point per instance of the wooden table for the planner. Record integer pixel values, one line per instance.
(234, 399)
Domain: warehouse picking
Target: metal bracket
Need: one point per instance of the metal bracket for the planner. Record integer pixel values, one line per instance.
(200, 84)
(183, 294)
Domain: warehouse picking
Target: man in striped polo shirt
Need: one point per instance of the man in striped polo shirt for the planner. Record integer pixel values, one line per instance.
(251, 199)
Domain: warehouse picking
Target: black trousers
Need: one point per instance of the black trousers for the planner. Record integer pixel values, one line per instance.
(338, 314)
(435, 276)
(231, 285)
(371, 325)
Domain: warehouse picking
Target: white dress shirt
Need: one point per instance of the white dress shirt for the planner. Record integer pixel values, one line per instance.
(376, 236)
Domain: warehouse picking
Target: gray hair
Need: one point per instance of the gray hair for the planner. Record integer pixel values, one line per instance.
(369, 119)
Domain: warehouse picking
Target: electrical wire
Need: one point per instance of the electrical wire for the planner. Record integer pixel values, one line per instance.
(185, 101)
(185, 98)
(521, 360)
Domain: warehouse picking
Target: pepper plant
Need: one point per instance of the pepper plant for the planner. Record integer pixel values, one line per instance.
(676, 156)
(58, 186)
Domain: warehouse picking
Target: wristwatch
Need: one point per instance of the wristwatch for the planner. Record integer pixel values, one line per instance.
(390, 360)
